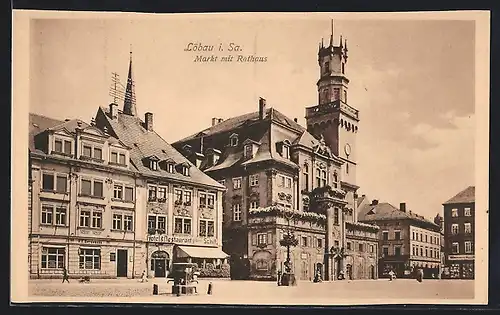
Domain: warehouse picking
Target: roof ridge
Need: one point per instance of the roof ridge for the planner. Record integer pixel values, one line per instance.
(44, 116)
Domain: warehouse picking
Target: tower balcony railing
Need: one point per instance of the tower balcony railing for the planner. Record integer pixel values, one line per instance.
(335, 105)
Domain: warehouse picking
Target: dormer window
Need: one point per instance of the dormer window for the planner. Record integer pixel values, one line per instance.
(153, 165)
(233, 140)
(248, 151)
(118, 158)
(170, 167)
(284, 148)
(213, 156)
(185, 170)
(62, 146)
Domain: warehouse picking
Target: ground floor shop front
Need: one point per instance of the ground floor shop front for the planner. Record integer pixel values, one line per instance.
(101, 258)
(305, 265)
(160, 257)
(459, 270)
(94, 257)
(408, 268)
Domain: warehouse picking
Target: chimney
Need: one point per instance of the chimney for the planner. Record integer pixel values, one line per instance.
(363, 195)
(214, 121)
(402, 206)
(374, 202)
(148, 119)
(295, 119)
(113, 110)
(262, 108)
(220, 120)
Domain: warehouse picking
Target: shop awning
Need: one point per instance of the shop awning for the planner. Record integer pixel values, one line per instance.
(201, 252)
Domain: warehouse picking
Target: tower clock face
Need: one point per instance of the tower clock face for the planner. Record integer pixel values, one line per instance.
(347, 148)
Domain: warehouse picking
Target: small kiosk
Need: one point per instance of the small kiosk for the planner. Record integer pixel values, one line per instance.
(184, 278)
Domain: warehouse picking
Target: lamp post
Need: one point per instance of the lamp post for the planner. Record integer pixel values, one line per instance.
(289, 240)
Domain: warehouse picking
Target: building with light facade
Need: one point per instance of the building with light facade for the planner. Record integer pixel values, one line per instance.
(280, 175)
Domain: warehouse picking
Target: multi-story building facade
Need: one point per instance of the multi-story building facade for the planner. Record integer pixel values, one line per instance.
(83, 208)
(273, 167)
(459, 234)
(113, 199)
(407, 241)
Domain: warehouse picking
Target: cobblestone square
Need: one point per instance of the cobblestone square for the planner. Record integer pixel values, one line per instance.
(253, 292)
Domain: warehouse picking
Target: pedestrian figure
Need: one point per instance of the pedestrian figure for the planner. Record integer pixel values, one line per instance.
(279, 277)
(420, 275)
(65, 275)
(144, 277)
(391, 275)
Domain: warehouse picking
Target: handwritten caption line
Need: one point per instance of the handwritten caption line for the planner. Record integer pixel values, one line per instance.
(231, 53)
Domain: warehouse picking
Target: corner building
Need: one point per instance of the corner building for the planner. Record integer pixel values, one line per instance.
(459, 229)
(113, 199)
(83, 201)
(407, 241)
(280, 175)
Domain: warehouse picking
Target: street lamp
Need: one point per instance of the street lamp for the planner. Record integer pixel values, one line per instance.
(289, 240)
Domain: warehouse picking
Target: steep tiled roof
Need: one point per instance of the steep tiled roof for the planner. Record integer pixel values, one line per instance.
(38, 124)
(130, 130)
(238, 121)
(386, 211)
(465, 196)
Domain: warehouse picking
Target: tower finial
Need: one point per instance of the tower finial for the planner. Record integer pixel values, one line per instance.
(322, 44)
(129, 107)
(341, 44)
(331, 35)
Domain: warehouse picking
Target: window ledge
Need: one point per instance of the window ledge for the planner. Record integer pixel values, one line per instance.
(117, 164)
(61, 154)
(90, 196)
(183, 234)
(54, 225)
(89, 228)
(121, 200)
(54, 191)
(122, 231)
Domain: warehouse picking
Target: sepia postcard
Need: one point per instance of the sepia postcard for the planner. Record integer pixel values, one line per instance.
(250, 158)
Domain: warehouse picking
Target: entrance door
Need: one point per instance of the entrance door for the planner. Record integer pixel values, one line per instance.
(305, 271)
(121, 263)
(160, 268)
(159, 263)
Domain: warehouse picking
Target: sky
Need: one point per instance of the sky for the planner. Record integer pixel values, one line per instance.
(411, 80)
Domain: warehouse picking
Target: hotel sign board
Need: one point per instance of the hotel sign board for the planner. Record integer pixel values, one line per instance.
(461, 257)
(164, 238)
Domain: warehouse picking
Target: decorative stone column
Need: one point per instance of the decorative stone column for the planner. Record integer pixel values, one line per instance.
(330, 202)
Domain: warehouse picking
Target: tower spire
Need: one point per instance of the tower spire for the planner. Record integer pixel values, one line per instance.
(129, 106)
(331, 35)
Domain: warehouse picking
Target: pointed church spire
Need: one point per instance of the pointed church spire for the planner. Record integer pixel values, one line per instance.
(129, 106)
(331, 35)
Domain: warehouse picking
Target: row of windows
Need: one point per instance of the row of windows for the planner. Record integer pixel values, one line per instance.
(322, 178)
(58, 182)
(467, 228)
(54, 258)
(91, 151)
(57, 215)
(467, 212)
(385, 235)
(468, 247)
(416, 236)
(154, 165)
(424, 252)
(398, 250)
(158, 223)
(159, 193)
(361, 247)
